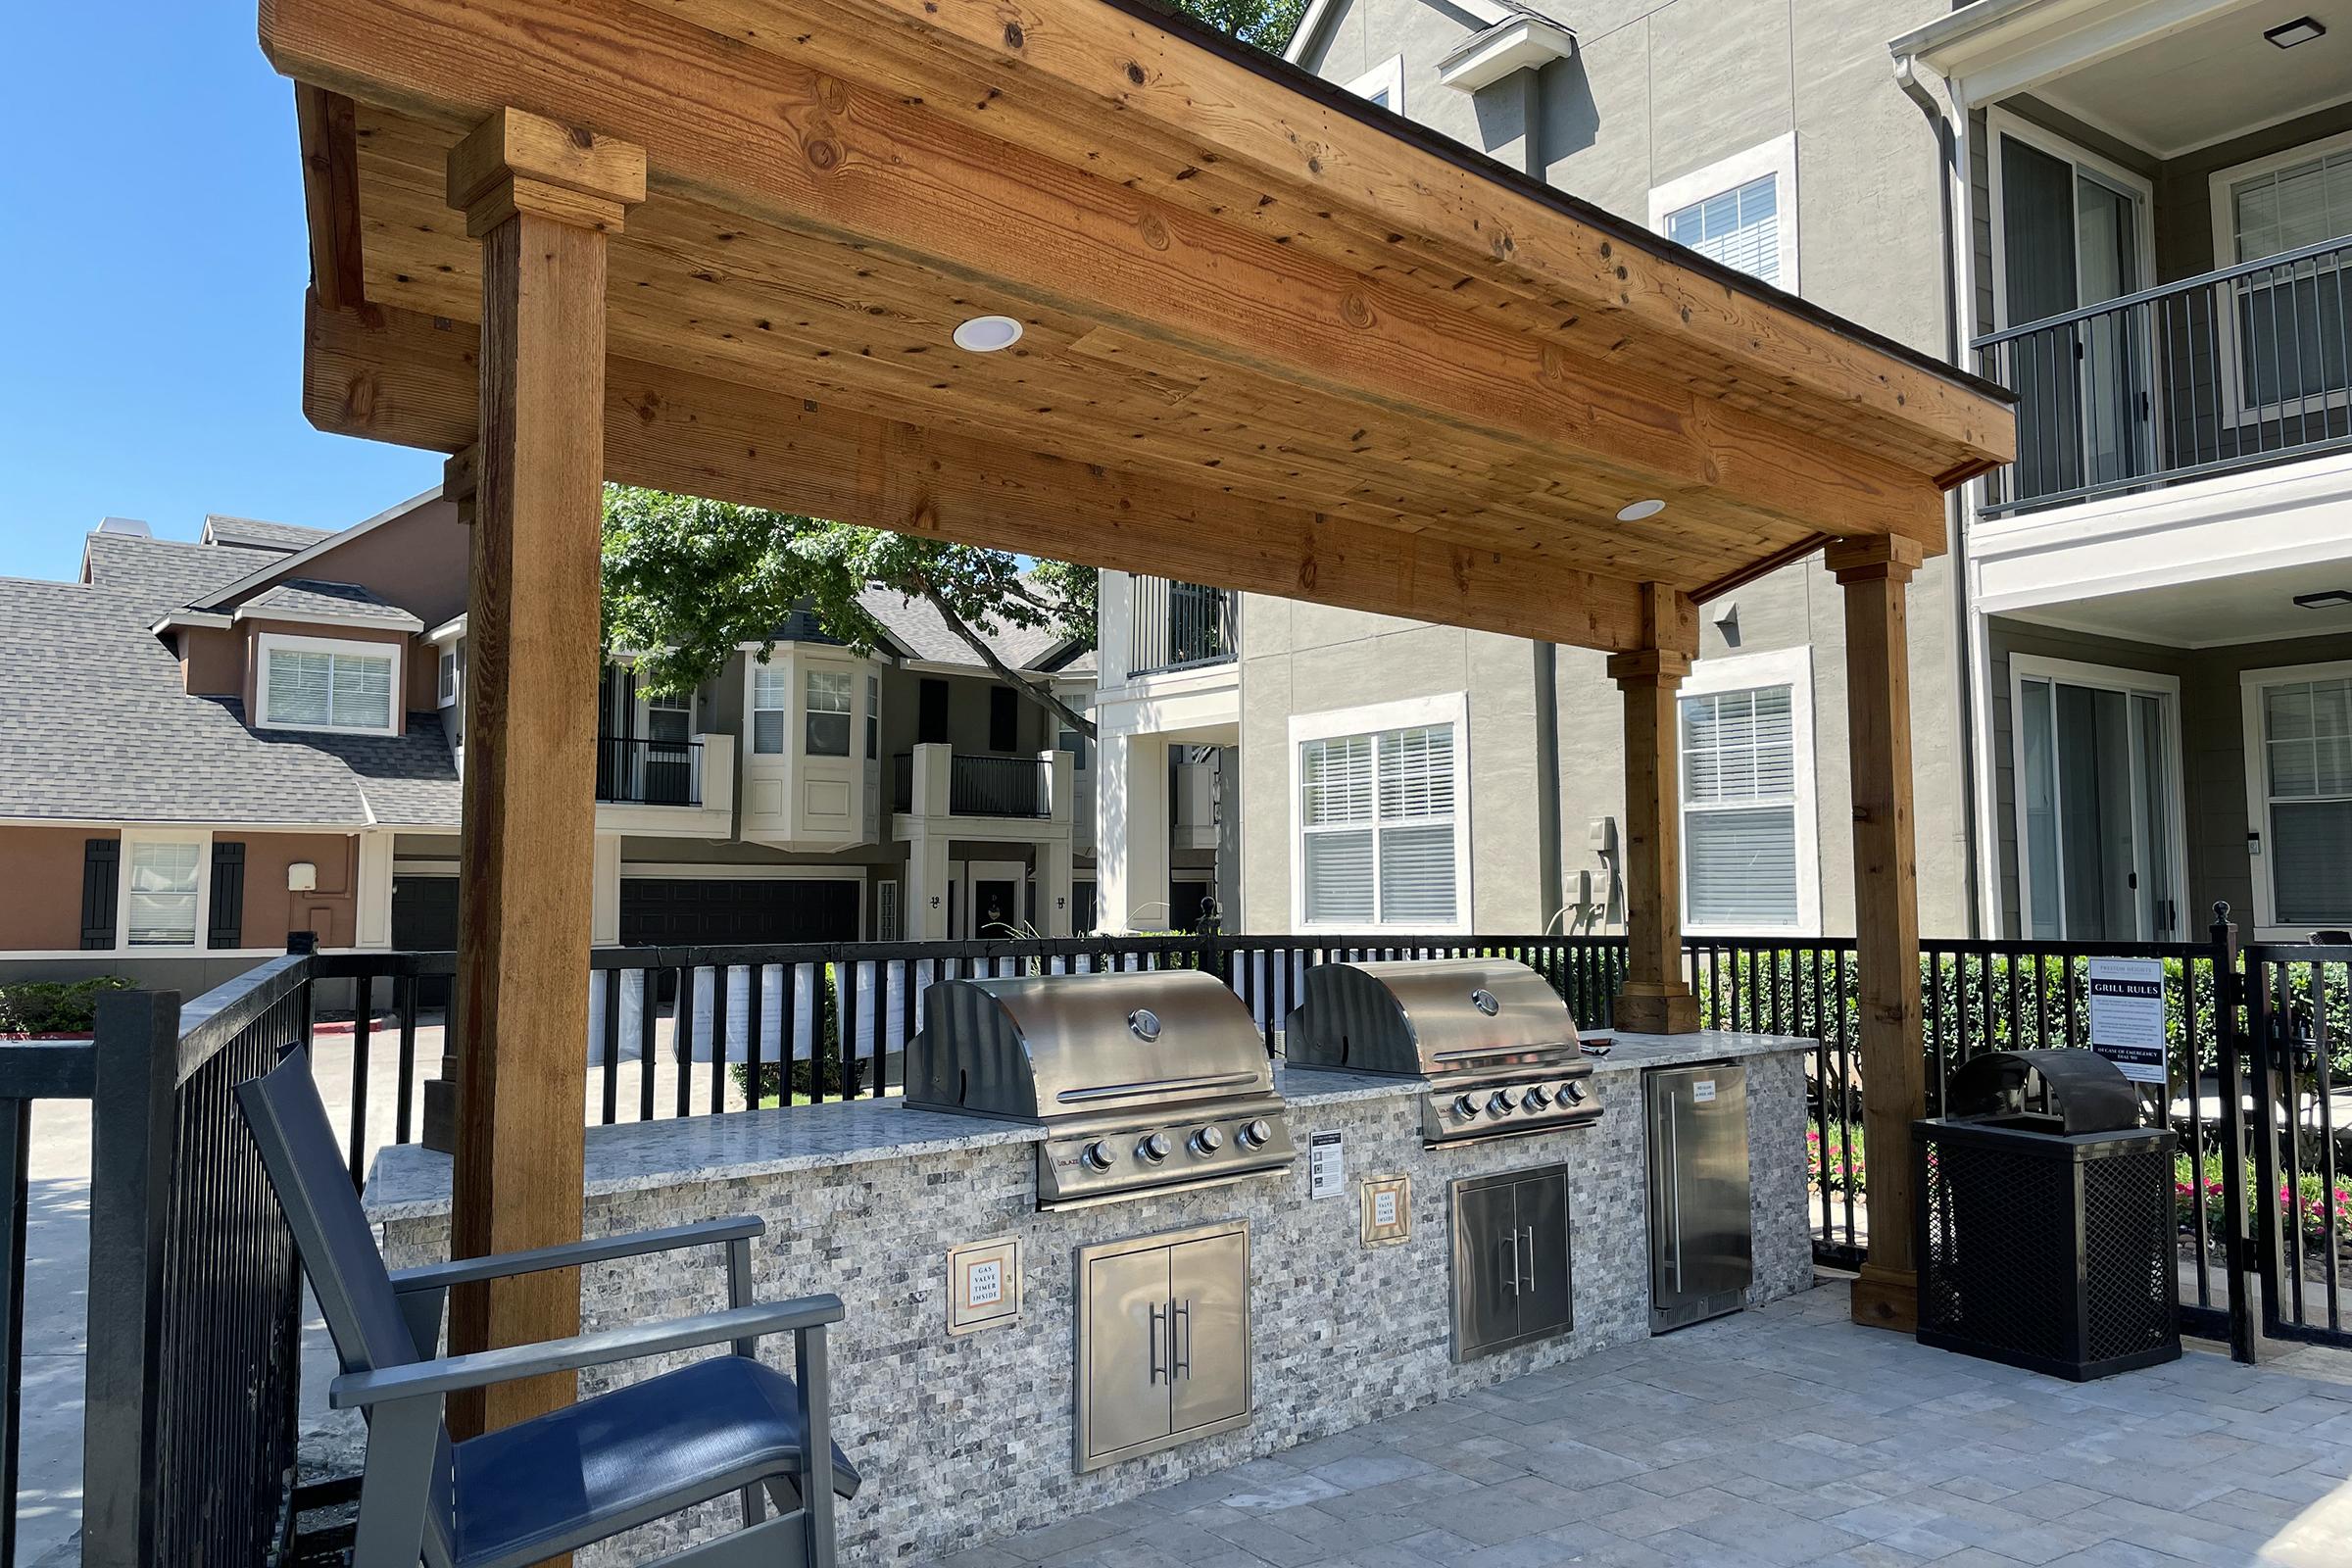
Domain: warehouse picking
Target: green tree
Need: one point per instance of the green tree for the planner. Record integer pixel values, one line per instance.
(688, 581)
(1266, 23)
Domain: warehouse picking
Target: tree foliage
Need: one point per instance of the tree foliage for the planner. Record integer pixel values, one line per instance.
(689, 581)
(1266, 23)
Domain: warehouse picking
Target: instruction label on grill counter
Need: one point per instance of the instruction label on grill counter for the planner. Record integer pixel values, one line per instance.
(1326, 1164)
(1702, 1090)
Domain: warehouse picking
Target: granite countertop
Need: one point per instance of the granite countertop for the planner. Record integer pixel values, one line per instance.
(409, 1181)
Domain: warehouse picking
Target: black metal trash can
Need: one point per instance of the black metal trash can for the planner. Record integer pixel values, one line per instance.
(2046, 1218)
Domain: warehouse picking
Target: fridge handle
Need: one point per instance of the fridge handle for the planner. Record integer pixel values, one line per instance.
(1674, 1186)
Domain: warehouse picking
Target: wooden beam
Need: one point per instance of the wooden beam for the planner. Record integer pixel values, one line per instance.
(529, 798)
(391, 375)
(331, 190)
(1655, 997)
(780, 142)
(1878, 664)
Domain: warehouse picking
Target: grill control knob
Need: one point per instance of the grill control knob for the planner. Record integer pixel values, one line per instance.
(1255, 1134)
(1502, 1100)
(1154, 1148)
(1573, 1092)
(1099, 1155)
(1207, 1141)
(1537, 1099)
(1464, 1107)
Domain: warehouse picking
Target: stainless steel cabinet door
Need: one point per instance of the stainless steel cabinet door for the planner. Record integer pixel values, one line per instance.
(1718, 1235)
(1485, 1266)
(1126, 1398)
(1547, 1303)
(1208, 1331)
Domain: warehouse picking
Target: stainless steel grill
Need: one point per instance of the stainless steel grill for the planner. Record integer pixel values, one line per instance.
(1490, 1037)
(1150, 1082)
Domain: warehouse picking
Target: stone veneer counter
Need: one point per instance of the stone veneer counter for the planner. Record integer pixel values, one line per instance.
(963, 1439)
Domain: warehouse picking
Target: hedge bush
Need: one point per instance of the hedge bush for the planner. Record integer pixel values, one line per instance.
(54, 1007)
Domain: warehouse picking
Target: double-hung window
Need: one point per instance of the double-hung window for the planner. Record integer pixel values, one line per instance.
(162, 892)
(873, 717)
(2288, 320)
(2304, 775)
(1380, 834)
(308, 685)
(829, 733)
(1745, 830)
(772, 699)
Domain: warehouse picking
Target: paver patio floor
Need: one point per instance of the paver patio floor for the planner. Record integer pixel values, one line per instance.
(1781, 1437)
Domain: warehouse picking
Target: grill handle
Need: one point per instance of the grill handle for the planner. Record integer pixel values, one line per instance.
(1159, 1327)
(1160, 1086)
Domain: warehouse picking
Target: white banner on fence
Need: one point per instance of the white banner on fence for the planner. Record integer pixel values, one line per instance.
(2127, 1016)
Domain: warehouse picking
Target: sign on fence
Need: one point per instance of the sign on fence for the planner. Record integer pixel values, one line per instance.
(2127, 1016)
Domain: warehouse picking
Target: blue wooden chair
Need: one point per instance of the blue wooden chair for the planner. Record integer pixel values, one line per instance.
(723, 1424)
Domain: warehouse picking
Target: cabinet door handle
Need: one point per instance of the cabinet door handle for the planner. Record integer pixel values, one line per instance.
(1159, 1326)
(1180, 1348)
(1530, 1257)
(1511, 1253)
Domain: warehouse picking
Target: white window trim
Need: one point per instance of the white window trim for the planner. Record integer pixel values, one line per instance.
(1409, 713)
(1387, 77)
(457, 678)
(1791, 667)
(2225, 243)
(1776, 158)
(269, 642)
(1999, 123)
(2104, 677)
(202, 837)
(2250, 684)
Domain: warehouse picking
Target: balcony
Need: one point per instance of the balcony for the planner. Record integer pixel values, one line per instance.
(1180, 625)
(645, 772)
(2232, 370)
(1002, 787)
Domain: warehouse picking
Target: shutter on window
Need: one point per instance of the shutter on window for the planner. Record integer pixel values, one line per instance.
(229, 895)
(101, 876)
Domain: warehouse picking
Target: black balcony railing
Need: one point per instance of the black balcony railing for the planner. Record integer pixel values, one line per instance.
(982, 786)
(643, 772)
(2233, 370)
(1180, 625)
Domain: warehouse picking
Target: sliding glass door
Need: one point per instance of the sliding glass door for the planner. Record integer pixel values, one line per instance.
(2098, 818)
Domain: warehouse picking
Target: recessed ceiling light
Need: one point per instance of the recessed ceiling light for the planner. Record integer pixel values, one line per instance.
(2325, 599)
(1639, 509)
(985, 335)
(2287, 34)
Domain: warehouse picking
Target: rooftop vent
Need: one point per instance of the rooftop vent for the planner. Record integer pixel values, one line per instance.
(132, 526)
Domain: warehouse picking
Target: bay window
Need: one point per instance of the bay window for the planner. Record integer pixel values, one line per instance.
(829, 708)
(771, 697)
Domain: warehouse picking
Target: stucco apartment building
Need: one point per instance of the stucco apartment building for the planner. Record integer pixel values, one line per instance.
(2133, 675)
(208, 745)
(1383, 772)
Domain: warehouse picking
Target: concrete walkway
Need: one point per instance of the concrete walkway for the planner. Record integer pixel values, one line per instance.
(1777, 1437)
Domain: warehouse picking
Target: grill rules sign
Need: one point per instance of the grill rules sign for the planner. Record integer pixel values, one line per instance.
(2126, 1015)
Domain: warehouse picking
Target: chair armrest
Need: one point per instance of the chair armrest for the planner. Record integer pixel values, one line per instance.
(570, 1254)
(635, 1343)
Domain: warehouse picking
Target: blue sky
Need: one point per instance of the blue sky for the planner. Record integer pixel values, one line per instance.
(153, 257)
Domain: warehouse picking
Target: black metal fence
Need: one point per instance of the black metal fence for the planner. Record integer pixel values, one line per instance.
(2230, 370)
(1180, 625)
(193, 1336)
(2298, 1051)
(643, 772)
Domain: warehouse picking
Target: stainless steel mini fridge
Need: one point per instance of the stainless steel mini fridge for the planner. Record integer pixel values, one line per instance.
(1702, 1241)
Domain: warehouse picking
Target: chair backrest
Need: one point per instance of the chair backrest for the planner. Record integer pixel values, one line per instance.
(338, 1245)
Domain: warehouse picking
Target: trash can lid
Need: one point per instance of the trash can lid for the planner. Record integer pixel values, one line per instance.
(2081, 1089)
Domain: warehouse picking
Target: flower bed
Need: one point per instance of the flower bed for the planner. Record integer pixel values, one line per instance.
(2310, 1202)
(1836, 1165)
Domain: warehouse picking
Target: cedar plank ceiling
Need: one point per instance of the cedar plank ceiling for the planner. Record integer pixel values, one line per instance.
(1274, 338)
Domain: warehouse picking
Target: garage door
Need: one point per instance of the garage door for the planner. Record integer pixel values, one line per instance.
(424, 919)
(708, 912)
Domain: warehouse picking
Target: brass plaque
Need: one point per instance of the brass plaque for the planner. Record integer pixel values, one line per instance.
(1388, 1210)
(984, 1285)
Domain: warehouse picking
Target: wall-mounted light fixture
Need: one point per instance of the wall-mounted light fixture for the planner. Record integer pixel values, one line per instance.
(2302, 29)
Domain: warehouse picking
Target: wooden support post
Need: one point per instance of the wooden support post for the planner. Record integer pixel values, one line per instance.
(1877, 678)
(1655, 997)
(541, 198)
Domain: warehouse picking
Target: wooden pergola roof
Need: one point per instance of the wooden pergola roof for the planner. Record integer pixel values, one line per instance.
(1275, 338)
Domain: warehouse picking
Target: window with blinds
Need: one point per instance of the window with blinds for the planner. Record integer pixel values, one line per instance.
(2307, 755)
(1739, 809)
(2290, 322)
(771, 698)
(1376, 817)
(162, 893)
(320, 690)
(1739, 227)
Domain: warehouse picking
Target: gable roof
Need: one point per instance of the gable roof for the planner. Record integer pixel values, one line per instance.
(123, 740)
(1489, 13)
(310, 598)
(918, 628)
(251, 533)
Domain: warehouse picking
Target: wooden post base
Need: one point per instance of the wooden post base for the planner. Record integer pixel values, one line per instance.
(1886, 1298)
(1647, 1007)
